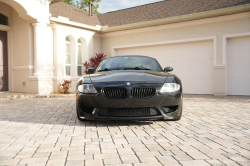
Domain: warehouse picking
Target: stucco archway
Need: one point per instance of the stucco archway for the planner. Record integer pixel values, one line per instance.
(31, 10)
(20, 8)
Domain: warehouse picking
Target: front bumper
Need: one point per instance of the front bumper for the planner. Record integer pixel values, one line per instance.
(95, 102)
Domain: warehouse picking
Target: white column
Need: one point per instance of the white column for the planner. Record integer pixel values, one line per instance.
(39, 49)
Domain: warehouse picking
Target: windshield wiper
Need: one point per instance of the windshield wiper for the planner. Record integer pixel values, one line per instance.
(107, 69)
(136, 68)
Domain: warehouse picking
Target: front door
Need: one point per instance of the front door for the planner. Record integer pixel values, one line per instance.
(3, 62)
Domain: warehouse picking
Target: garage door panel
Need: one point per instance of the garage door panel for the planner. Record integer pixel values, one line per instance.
(180, 51)
(192, 63)
(193, 52)
(240, 85)
(206, 67)
(187, 68)
(199, 50)
(179, 66)
(239, 66)
(194, 85)
(206, 49)
(207, 85)
(197, 68)
(239, 47)
(191, 85)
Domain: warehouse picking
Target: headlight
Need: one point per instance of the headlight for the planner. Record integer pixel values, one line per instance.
(86, 88)
(170, 87)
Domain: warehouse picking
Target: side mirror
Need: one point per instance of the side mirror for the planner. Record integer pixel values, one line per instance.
(168, 69)
(91, 70)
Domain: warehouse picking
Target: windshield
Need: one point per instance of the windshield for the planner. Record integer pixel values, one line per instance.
(129, 63)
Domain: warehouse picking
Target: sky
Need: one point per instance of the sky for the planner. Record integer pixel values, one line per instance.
(112, 5)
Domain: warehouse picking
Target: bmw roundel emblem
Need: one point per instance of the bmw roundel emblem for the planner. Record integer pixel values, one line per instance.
(128, 84)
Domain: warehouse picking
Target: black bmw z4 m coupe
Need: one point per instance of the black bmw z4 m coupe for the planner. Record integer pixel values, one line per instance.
(129, 88)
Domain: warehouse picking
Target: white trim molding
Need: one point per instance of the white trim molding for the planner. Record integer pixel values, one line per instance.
(40, 78)
(50, 68)
(46, 2)
(225, 52)
(5, 28)
(213, 38)
(15, 68)
(219, 66)
(72, 23)
(66, 78)
(22, 68)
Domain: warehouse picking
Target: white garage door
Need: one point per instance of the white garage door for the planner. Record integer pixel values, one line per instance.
(239, 66)
(192, 63)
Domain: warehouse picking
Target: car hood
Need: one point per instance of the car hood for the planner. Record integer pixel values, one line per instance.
(131, 76)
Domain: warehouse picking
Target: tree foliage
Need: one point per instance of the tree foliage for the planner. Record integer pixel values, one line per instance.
(84, 4)
(69, 2)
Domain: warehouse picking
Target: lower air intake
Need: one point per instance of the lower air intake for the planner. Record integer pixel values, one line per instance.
(129, 112)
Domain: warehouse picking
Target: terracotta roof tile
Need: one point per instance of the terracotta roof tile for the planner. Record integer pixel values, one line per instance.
(148, 12)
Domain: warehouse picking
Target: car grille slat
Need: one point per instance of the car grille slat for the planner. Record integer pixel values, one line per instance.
(114, 93)
(142, 93)
(129, 112)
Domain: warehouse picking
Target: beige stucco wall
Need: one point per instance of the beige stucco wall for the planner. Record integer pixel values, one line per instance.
(21, 76)
(22, 54)
(97, 43)
(219, 81)
(20, 49)
(60, 33)
(21, 40)
(188, 31)
(205, 30)
(5, 9)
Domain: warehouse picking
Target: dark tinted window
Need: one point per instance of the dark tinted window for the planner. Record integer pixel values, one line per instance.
(3, 19)
(130, 63)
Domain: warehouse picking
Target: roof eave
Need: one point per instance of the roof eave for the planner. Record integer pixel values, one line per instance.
(75, 24)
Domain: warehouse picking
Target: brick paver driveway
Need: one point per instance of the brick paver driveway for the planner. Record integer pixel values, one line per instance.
(213, 131)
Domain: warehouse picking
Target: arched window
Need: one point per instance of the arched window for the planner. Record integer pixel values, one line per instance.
(3, 19)
(79, 57)
(67, 58)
